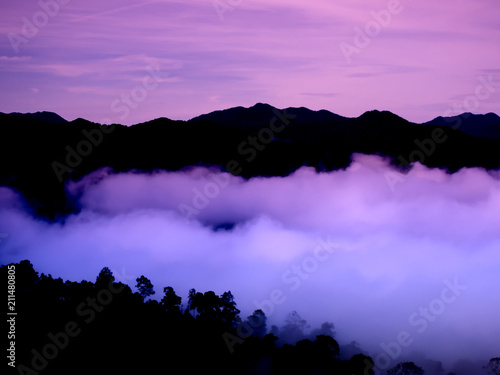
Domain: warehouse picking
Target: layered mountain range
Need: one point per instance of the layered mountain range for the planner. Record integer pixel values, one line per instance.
(41, 151)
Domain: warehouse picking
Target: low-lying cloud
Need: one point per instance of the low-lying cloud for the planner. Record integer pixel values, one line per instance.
(415, 264)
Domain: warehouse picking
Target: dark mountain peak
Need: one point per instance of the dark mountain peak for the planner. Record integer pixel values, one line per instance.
(262, 106)
(43, 116)
(373, 112)
(83, 123)
(305, 115)
(80, 120)
(157, 121)
(239, 116)
(261, 113)
(378, 116)
(492, 115)
(483, 126)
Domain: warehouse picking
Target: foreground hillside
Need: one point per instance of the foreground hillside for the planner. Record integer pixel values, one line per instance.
(103, 327)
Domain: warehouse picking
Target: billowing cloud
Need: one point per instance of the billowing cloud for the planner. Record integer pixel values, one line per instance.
(389, 258)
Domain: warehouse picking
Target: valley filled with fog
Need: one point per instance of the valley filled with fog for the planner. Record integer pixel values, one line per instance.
(405, 265)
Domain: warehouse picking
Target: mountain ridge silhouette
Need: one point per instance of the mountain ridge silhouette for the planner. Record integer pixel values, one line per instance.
(42, 157)
(478, 125)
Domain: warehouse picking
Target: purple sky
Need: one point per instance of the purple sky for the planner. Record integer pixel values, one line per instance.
(422, 59)
(391, 251)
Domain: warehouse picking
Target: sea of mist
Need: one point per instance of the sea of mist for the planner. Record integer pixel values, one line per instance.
(366, 248)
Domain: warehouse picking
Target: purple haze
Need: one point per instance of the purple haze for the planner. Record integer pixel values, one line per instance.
(352, 247)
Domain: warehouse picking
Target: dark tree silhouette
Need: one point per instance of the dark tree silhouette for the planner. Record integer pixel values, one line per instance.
(493, 366)
(326, 346)
(26, 276)
(109, 325)
(193, 298)
(210, 307)
(145, 287)
(229, 312)
(207, 304)
(327, 329)
(360, 364)
(104, 278)
(293, 330)
(257, 322)
(171, 302)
